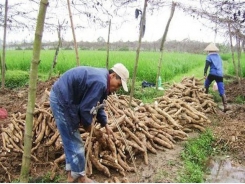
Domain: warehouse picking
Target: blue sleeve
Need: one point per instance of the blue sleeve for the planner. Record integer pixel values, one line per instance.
(92, 96)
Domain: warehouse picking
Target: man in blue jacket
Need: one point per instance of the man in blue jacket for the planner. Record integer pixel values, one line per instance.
(72, 97)
(214, 61)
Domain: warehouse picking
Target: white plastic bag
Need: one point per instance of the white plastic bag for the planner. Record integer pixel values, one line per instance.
(215, 86)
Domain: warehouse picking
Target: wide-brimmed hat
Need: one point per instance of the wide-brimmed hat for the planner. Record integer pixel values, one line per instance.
(211, 47)
(122, 72)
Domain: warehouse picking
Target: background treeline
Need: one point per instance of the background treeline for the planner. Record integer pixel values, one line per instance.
(170, 46)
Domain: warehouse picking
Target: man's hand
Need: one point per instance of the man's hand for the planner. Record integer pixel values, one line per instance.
(109, 131)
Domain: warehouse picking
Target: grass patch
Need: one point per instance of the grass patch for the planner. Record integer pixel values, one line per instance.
(44, 179)
(173, 63)
(195, 153)
(146, 94)
(160, 175)
(240, 99)
(16, 78)
(19, 78)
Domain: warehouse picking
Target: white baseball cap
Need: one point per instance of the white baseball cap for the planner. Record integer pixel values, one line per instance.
(123, 73)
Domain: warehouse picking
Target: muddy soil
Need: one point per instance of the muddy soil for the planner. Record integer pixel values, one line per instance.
(229, 129)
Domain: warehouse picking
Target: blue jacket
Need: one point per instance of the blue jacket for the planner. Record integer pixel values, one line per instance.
(79, 90)
(215, 62)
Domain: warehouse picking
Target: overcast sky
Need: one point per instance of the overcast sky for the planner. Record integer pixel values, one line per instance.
(181, 27)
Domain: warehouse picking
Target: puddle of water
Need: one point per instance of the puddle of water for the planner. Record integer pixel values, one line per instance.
(223, 170)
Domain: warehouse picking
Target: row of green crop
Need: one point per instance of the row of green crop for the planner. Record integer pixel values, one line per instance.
(229, 66)
(173, 63)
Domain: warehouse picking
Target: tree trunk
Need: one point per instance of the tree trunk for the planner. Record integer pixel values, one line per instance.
(243, 44)
(73, 33)
(238, 41)
(137, 53)
(3, 68)
(163, 41)
(108, 45)
(232, 51)
(26, 157)
(56, 52)
(239, 68)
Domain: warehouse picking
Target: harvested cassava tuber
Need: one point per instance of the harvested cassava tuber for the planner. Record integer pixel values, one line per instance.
(124, 164)
(114, 165)
(99, 166)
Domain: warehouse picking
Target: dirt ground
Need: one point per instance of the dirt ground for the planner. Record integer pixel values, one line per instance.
(229, 129)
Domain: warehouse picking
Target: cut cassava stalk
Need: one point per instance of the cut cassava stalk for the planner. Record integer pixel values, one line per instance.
(89, 170)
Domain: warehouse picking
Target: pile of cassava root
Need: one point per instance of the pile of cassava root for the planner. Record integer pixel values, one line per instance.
(145, 128)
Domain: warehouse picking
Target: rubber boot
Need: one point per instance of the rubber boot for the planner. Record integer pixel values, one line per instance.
(224, 103)
(206, 90)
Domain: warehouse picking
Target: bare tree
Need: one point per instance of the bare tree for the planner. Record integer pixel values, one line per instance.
(142, 25)
(3, 68)
(73, 33)
(108, 45)
(56, 51)
(163, 41)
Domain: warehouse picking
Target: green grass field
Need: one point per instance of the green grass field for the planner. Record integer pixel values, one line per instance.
(174, 65)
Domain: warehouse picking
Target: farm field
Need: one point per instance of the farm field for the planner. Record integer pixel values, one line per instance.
(173, 64)
(165, 165)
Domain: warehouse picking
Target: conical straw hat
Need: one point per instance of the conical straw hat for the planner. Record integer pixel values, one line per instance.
(211, 47)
